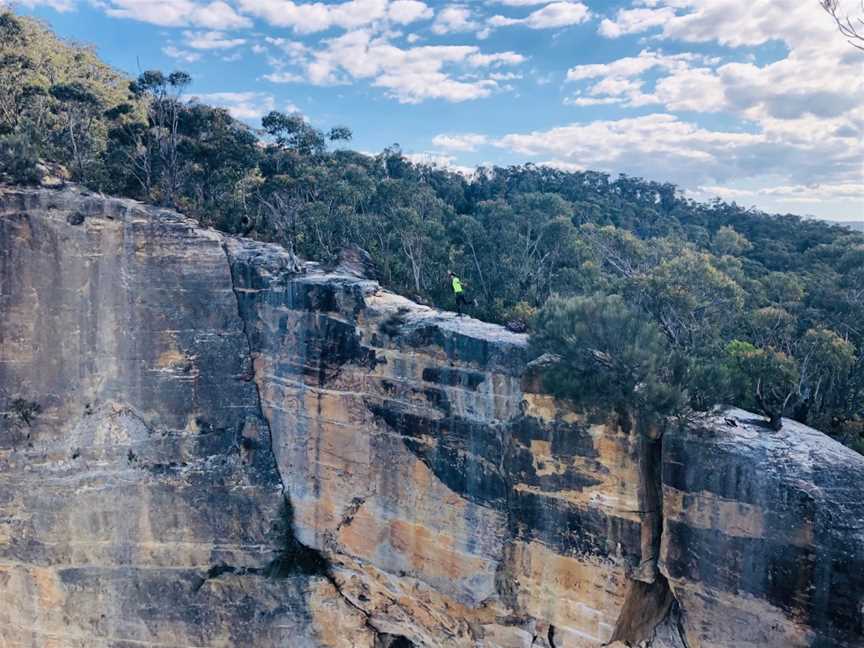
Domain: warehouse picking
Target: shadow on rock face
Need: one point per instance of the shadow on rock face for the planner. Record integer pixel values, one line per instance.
(294, 558)
(392, 641)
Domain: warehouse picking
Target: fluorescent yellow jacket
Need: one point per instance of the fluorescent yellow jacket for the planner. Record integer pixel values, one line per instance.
(457, 285)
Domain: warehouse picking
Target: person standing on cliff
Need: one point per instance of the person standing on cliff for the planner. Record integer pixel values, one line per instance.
(458, 291)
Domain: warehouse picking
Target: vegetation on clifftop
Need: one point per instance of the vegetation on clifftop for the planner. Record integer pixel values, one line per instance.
(656, 302)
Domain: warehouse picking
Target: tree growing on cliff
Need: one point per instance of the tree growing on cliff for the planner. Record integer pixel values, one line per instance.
(807, 379)
(612, 359)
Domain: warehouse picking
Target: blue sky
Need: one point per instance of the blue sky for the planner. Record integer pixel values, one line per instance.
(757, 101)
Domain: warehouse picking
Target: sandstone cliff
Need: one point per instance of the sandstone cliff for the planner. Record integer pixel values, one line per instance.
(204, 444)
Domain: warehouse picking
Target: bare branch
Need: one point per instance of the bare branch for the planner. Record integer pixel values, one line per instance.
(852, 29)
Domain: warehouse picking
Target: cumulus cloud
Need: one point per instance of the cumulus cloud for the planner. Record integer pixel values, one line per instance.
(454, 19)
(410, 75)
(178, 13)
(554, 14)
(56, 5)
(631, 21)
(180, 54)
(802, 195)
(310, 17)
(466, 142)
(440, 160)
(520, 3)
(210, 40)
(685, 88)
(303, 17)
(404, 12)
(248, 106)
(734, 23)
(818, 76)
(590, 101)
(666, 147)
(283, 77)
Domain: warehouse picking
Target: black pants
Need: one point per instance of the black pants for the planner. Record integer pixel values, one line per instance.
(460, 302)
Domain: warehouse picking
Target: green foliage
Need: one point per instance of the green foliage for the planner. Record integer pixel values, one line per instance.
(729, 242)
(292, 132)
(612, 358)
(721, 303)
(18, 160)
(53, 95)
(765, 380)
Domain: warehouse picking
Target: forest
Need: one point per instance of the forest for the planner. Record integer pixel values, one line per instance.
(649, 303)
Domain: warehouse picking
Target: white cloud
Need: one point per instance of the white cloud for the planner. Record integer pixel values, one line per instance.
(570, 167)
(505, 76)
(590, 101)
(283, 77)
(555, 14)
(180, 54)
(804, 194)
(520, 3)
(56, 5)
(695, 89)
(501, 58)
(404, 12)
(248, 106)
(313, 17)
(466, 142)
(621, 82)
(310, 17)
(410, 75)
(630, 66)
(178, 13)
(665, 147)
(730, 22)
(818, 76)
(630, 21)
(454, 18)
(441, 161)
(296, 51)
(210, 40)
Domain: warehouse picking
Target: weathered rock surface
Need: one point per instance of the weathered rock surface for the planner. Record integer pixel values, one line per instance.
(132, 505)
(230, 452)
(764, 532)
(457, 507)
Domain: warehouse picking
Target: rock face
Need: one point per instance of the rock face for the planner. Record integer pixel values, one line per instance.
(203, 446)
(141, 506)
(765, 532)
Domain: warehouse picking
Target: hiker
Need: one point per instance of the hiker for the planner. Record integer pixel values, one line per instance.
(456, 283)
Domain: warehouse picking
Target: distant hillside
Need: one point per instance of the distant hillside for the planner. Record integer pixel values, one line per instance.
(722, 303)
(857, 226)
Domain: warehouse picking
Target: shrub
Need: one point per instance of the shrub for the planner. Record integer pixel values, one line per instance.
(613, 358)
(19, 163)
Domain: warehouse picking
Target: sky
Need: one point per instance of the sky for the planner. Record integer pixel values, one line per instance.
(760, 102)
